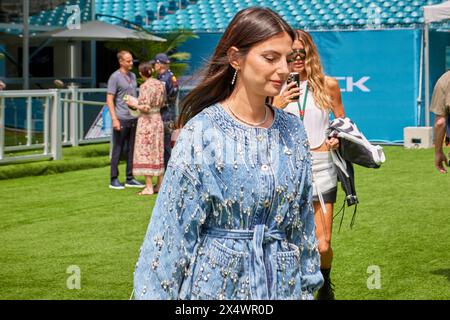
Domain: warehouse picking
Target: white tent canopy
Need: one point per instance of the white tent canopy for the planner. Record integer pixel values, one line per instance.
(96, 31)
(434, 13)
(100, 31)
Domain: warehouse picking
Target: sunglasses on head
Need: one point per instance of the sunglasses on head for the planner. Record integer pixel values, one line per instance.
(298, 54)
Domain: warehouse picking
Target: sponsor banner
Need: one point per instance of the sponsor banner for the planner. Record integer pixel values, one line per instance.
(377, 70)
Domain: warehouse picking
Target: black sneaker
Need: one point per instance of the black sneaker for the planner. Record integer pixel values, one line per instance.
(327, 290)
(115, 184)
(133, 183)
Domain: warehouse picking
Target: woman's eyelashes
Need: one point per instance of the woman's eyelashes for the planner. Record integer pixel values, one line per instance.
(270, 58)
(275, 59)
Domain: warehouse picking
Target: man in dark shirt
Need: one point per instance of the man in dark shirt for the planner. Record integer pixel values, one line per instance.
(122, 82)
(168, 112)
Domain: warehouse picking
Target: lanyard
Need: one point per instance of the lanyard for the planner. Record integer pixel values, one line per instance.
(128, 79)
(302, 108)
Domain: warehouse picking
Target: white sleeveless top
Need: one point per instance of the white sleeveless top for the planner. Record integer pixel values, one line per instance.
(316, 120)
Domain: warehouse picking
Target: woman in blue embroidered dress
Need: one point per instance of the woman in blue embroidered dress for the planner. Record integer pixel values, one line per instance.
(234, 217)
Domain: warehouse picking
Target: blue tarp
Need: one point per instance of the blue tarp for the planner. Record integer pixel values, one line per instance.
(378, 72)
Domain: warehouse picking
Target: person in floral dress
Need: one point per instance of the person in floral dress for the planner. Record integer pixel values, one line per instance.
(148, 158)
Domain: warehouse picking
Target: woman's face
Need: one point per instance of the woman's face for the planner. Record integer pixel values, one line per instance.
(265, 68)
(298, 57)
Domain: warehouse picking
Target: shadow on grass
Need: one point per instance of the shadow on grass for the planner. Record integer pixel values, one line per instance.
(442, 272)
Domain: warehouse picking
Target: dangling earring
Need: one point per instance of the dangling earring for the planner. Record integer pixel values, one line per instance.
(234, 77)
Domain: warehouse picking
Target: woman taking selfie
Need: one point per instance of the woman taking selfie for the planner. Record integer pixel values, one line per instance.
(234, 216)
(319, 95)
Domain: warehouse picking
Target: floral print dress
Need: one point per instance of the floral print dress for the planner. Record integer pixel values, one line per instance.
(149, 145)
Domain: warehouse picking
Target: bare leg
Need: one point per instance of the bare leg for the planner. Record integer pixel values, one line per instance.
(158, 183)
(148, 186)
(324, 224)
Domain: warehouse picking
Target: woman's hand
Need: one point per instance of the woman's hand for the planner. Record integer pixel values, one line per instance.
(143, 108)
(285, 98)
(332, 143)
(131, 104)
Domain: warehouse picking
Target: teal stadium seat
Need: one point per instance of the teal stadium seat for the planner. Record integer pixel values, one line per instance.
(214, 15)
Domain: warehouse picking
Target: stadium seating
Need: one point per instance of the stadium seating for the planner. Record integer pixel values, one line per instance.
(214, 15)
(59, 16)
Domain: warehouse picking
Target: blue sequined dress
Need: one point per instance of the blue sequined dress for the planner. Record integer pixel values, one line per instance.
(234, 217)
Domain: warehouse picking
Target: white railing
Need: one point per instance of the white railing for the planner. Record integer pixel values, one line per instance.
(73, 105)
(51, 125)
(63, 122)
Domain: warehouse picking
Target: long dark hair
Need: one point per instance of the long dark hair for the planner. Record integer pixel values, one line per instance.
(248, 27)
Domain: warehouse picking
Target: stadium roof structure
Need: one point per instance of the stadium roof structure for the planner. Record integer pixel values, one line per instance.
(100, 31)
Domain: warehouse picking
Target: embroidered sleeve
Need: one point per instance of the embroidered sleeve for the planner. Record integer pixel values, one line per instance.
(174, 229)
(309, 252)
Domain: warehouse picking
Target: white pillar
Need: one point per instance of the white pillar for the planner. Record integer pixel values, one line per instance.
(427, 75)
(74, 117)
(72, 60)
(25, 45)
(56, 145)
(93, 51)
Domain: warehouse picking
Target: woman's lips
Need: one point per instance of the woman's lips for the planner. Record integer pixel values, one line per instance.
(277, 83)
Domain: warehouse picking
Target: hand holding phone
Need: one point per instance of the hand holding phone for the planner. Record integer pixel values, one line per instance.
(294, 77)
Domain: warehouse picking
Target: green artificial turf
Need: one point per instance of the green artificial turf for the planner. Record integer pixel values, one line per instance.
(402, 226)
(74, 158)
(49, 223)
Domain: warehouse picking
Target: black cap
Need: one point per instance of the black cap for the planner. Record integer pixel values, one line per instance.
(161, 58)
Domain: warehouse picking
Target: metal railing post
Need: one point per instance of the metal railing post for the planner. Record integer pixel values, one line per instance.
(56, 145)
(66, 119)
(81, 117)
(46, 125)
(29, 120)
(2, 127)
(74, 116)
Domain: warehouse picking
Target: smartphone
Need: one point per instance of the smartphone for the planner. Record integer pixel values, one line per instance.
(294, 77)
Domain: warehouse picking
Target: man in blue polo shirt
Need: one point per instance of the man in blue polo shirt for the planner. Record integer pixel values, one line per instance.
(122, 82)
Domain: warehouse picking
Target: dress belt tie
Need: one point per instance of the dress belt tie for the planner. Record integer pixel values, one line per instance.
(154, 110)
(262, 275)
